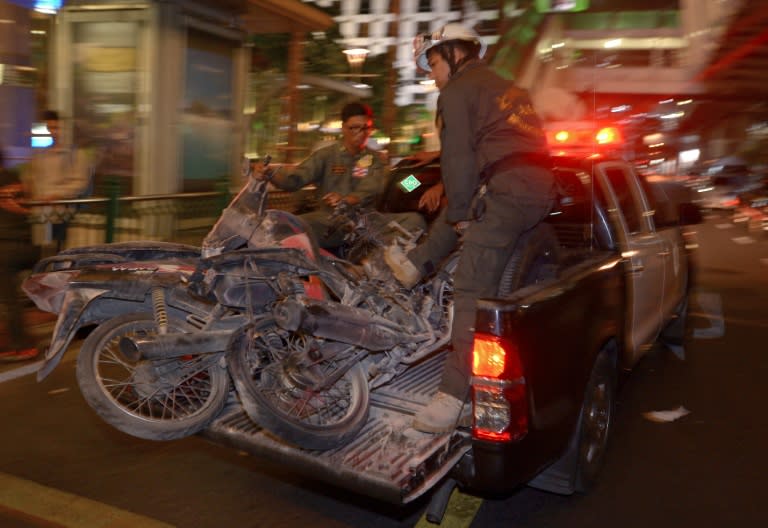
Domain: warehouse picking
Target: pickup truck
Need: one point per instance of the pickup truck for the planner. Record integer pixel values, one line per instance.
(547, 358)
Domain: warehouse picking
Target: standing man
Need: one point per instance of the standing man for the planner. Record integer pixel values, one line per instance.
(16, 254)
(347, 170)
(58, 172)
(498, 183)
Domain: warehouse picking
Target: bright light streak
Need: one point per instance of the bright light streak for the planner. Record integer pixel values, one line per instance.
(610, 265)
(690, 156)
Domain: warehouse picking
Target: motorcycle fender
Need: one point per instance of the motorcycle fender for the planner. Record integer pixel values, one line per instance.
(76, 300)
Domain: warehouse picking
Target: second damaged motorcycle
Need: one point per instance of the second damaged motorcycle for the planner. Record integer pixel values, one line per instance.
(304, 335)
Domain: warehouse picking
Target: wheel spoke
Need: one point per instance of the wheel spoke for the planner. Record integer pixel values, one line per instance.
(288, 386)
(162, 390)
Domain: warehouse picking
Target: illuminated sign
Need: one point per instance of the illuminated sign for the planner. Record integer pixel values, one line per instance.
(561, 6)
(41, 136)
(13, 75)
(47, 6)
(41, 6)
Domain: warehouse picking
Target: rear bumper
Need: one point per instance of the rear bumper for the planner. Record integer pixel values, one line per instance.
(499, 469)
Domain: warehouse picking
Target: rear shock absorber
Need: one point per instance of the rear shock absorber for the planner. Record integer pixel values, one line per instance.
(158, 308)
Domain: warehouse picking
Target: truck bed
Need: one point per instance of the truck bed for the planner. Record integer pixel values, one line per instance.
(388, 460)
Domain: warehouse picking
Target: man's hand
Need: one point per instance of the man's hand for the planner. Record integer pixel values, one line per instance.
(258, 170)
(432, 198)
(333, 199)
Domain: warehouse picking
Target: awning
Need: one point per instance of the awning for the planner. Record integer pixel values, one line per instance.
(283, 16)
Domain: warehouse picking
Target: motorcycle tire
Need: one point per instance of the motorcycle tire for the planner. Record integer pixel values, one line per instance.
(536, 258)
(274, 389)
(155, 400)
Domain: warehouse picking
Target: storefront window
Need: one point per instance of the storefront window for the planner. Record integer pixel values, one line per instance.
(104, 94)
(207, 115)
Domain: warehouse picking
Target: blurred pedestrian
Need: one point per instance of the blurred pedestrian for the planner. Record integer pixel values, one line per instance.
(497, 176)
(59, 172)
(17, 253)
(346, 170)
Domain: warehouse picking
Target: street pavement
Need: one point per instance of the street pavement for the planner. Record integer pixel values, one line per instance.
(702, 469)
(40, 326)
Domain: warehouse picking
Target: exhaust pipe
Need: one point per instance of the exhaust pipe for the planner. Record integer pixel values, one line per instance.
(166, 346)
(340, 323)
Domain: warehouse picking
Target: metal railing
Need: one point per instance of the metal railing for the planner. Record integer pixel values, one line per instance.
(183, 217)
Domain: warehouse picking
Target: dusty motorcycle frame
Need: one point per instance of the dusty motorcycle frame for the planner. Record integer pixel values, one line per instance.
(303, 335)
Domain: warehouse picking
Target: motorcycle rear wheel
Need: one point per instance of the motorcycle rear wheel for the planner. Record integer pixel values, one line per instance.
(275, 389)
(155, 400)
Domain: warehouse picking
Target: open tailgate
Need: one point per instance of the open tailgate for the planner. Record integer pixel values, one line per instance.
(388, 460)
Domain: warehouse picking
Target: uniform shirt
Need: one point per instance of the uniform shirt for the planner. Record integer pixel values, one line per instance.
(334, 169)
(484, 118)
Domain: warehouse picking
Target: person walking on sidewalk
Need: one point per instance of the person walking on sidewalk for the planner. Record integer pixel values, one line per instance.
(59, 172)
(17, 253)
(498, 181)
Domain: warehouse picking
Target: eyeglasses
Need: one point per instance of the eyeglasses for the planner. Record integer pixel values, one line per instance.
(359, 128)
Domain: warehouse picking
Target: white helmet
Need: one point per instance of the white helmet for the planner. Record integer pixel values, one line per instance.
(453, 31)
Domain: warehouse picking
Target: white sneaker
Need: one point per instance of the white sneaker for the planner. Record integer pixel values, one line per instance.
(403, 269)
(441, 415)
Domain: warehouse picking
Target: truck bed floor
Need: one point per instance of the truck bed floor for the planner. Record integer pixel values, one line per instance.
(388, 460)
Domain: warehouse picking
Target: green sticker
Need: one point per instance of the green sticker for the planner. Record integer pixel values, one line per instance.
(410, 183)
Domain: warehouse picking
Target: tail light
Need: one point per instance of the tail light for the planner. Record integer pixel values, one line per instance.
(499, 391)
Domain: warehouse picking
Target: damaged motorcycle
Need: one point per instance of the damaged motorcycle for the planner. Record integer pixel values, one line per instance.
(303, 335)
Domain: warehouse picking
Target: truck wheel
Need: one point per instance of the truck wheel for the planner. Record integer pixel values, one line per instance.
(577, 469)
(535, 259)
(595, 420)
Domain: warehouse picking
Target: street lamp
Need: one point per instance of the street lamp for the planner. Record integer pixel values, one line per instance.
(356, 59)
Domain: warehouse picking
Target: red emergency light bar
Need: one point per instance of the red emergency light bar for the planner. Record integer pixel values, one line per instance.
(583, 138)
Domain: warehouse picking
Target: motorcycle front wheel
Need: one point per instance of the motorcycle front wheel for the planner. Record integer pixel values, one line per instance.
(275, 384)
(155, 400)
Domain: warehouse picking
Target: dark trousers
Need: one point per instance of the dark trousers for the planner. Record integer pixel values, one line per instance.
(517, 199)
(15, 256)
